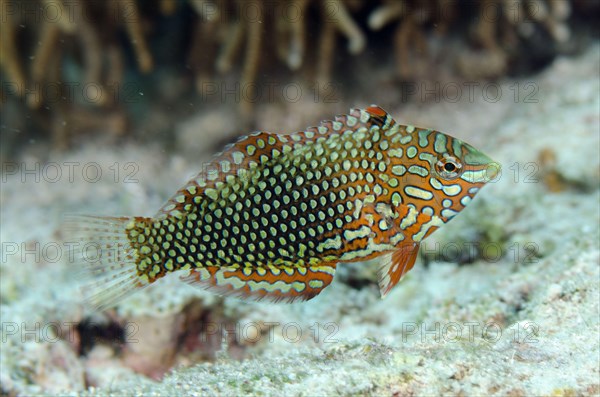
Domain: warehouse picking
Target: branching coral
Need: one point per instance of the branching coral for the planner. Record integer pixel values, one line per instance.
(410, 43)
(82, 42)
(81, 47)
(498, 28)
(9, 56)
(249, 27)
(503, 25)
(83, 34)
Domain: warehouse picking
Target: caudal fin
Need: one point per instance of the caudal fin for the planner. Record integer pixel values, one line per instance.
(105, 258)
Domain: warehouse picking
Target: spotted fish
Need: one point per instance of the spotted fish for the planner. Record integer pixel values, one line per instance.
(273, 214)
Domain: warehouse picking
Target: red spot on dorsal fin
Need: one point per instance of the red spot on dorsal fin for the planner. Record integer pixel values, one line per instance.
(379, 117)
(355, 119)
(376, 111)
(395, 265)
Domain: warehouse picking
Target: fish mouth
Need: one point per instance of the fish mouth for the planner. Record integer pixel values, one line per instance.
(492, 171)
(487, 168)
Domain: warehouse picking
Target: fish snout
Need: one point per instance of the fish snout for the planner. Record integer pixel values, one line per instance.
(482, 169)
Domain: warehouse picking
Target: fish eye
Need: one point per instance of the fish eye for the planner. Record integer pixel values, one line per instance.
(448, 167)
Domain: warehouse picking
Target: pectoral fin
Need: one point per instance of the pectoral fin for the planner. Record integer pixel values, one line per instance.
(395, 265)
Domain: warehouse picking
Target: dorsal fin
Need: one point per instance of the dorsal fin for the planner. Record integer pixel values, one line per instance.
(251, 151)
(235, 161)
(271, 283)
(379, 117)
(357, 118)
(395, 265)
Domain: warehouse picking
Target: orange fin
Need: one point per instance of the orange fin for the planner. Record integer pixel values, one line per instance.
(395, 265)
(273, 284)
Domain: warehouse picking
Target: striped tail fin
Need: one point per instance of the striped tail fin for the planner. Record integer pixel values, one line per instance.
(106, 258)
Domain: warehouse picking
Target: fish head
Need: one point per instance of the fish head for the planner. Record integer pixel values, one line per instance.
(443, 173)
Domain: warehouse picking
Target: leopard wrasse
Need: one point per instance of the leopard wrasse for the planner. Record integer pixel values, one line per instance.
(272, 215)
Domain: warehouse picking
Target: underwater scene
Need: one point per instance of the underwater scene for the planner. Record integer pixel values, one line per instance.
(300, 197)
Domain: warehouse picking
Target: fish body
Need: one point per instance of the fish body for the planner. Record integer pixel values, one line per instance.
(273, 214)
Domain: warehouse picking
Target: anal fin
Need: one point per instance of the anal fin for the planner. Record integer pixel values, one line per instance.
(395, 265)
(270, 283)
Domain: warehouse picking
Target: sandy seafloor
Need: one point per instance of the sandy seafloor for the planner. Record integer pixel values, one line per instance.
(522, 322)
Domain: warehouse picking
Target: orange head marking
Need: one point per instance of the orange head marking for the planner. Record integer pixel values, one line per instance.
(438, 175)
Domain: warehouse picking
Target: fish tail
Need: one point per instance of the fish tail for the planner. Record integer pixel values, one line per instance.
(108, 257)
